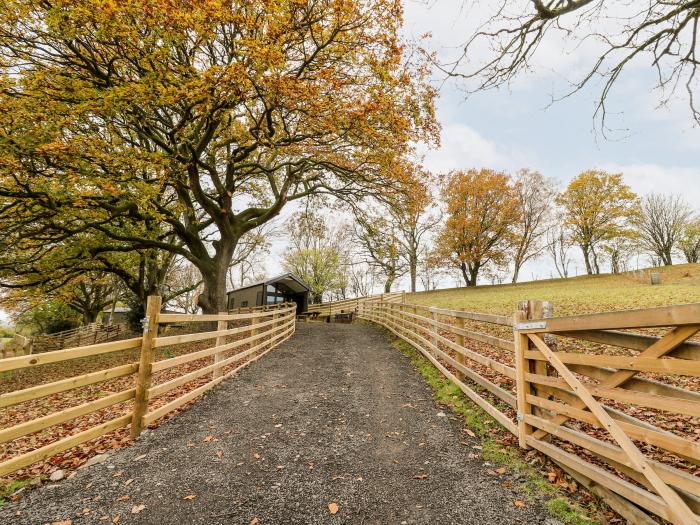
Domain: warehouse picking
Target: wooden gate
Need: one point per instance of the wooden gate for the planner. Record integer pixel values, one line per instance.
(558, 383)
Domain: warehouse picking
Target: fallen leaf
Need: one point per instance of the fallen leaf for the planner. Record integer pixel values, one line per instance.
(64, 522)
(123, 498)
(501, 470)
(117, 518)
(519, 503)
(333, 508)
(257, 456)
(128, 482)
(219, 453)
(469, 432)
(137, 508)
(254, 521)
(190, 497)
(421, 476)
(210, 438)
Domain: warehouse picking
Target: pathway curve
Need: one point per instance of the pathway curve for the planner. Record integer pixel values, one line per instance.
(333, 416)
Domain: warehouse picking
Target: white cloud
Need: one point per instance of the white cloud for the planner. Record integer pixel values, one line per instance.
(656, 178)
(463, 148)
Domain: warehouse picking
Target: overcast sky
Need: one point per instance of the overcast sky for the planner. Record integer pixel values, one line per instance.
(517, 127)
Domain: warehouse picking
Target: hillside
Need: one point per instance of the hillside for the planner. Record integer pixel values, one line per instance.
(584, 294)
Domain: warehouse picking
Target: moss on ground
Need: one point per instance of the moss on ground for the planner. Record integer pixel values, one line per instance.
(7, 488)
(535, 484)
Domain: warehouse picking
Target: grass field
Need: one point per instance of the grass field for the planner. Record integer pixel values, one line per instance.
(585, 294)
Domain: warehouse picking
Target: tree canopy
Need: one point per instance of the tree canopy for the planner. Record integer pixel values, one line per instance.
(179, 127)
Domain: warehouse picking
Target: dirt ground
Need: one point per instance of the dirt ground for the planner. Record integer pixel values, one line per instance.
(333, 419)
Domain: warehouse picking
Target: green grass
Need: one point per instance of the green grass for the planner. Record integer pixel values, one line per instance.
(586, 294)
(9, 488)
(535, 484)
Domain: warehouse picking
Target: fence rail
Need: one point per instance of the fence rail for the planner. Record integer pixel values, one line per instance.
(153, 380)
(603, 404)
(346, 305)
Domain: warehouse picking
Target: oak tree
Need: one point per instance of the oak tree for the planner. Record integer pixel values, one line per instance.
(179, 127)
(482, 211)
(598, 207)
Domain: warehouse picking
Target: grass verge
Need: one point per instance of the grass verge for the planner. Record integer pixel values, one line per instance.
(7, 489)
(535, 483)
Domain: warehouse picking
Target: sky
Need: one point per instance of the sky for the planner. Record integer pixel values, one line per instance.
(657, 149)
(517, 127)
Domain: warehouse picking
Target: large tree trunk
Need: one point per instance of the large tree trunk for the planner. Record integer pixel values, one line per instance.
(388, 283)
(585, 248)
(413, 270)
(212, 300)
(516, 272)
(470, 274)
(473, 275)
(667, 258)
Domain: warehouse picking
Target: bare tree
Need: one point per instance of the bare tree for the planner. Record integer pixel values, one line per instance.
(248, 262)
(661, 33)
(185, 278)
(431, 271)
(558, 245)
(361, 279)
(661, 223)
(535, 194)
(618, 251)
(317, 253)
(378, 238)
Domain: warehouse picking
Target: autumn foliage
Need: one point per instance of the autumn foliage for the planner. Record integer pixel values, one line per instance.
(482, 209)
(181, 126)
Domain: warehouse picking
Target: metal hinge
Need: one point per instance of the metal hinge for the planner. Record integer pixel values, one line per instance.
(533, 325)
(520, 417)
(146, 324)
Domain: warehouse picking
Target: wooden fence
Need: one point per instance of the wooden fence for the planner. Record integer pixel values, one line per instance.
(85, 335)
(616, 408)
(348, 305)
(255, 333)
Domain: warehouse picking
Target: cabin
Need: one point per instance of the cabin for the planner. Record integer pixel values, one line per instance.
(281, 289)
(121, 315)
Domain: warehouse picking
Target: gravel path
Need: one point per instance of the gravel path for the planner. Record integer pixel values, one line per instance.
(334, 416)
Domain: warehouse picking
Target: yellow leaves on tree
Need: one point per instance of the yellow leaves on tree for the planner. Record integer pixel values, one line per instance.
(481, 211)
(598, 207)
(181, 126)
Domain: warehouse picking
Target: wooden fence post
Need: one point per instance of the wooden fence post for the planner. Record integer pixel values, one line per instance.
(220, 340)
(143, 379)
(460, 322)
(522, 367)
(434, 317)
(253, 330)
(537, 310)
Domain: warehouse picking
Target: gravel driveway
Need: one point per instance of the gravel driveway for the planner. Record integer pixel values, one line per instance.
(333, 419)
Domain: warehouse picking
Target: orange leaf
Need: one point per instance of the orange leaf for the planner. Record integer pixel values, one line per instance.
(333, 508)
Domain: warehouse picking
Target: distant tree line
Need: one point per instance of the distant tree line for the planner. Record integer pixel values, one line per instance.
(485, 225)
